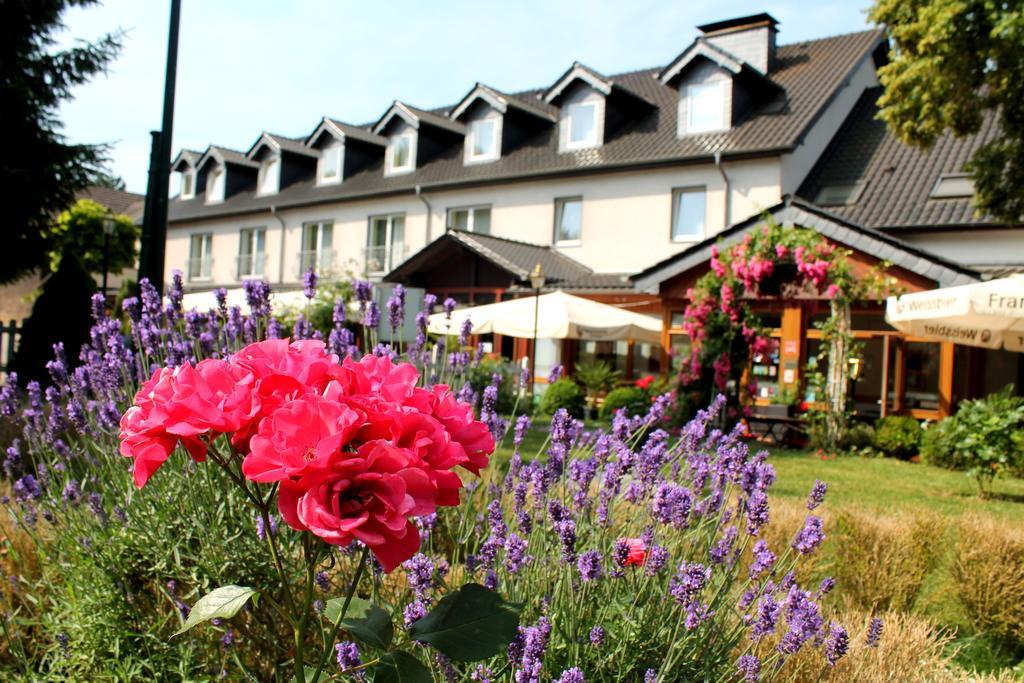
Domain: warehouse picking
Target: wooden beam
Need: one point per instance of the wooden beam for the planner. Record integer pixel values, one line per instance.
(945, 379)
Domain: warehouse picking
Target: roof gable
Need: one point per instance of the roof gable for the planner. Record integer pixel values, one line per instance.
(186, 159)
(416, 117)
(805, 215)
(223, 155)
(498, 101)
(278, 144)
(340, 130)
(579, 72)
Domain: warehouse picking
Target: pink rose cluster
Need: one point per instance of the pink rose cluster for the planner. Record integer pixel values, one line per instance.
(356, 448)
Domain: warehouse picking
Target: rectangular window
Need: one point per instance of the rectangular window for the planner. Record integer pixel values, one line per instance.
(188, 185)
(568, 220)
(385, 246)
(330, 164)
(251, 252)
(401, 153)
(582, 124)
(470, 219)
(484, 139)
(317, 247)
(200, 256)
(705, 110)
(270, 176)
(688, 214)
(215, 185)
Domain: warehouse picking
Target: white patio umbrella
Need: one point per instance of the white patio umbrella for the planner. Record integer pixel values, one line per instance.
(560, 316)
(986, 314)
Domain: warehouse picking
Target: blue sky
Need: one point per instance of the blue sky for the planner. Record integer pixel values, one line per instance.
(251, 65)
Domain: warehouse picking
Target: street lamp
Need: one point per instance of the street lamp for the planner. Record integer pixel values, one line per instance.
(108, 229)
(537, 282)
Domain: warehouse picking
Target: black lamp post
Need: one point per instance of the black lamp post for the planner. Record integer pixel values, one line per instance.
(537, 282)
(108, 229)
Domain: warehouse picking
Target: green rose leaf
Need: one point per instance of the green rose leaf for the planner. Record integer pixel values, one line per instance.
(470, 624)
(400, 667)
(220, 603)
(364, 620)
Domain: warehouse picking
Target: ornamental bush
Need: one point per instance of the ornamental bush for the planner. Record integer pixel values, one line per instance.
(938, 445)
(988, 436)
(563, 394)
(898, 436)
(272, 469)
(633, 399)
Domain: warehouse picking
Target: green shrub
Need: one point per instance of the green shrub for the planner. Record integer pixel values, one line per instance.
(898, 436)
(938, 447)
(633, 399)
(563, 394)
(988, 572)
(859, 436)
(988, 436)
(482, 374)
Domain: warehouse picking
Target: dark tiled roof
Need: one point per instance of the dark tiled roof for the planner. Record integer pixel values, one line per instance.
(810, 72)
(118, 201)
(230, 156)
(996, 272)
(806, 215)
(358, 133)
(897, 178)
(294, 145)
(518, 259)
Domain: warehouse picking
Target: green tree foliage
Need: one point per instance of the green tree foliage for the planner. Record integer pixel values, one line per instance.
(60, 314)
(41, 171)
(953, 63)
(79, 231)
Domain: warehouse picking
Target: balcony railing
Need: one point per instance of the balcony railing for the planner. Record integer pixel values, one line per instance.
(320, 260)
(383, 259)
(199, 268)
(250, 265)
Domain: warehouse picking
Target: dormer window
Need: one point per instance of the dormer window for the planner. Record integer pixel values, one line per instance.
(215, 185)
(329, 166)
(188, 184)
(582, 125)
(704, 105)
(270, 175)
(483, 140)
(401, 153)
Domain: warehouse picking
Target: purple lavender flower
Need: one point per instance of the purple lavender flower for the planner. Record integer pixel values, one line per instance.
(651, 676)
(689, 580)
(372, 318)
(803, 618)
(556, 373)
(817, 495)
(874, 632)
(810, 537)
(419, 571)
(826, 586)
(749, 667)
(720, 551)
(766, 618)
(757, 511)
(228, 639)
(589, 565)
(534, 643)
(657, 558)
(481, 674)
(465, 330)
(309, 280)
(62, 642)
(396, 308)
(764, 559)
(323, 582)
(348, 657)
(413, 612)
(597, 636)
(837, 644)
(449, 307)
(515, 554)
(573, 675)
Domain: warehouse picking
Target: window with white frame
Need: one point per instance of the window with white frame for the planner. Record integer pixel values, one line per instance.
(582, 125)
(200, 256)
(470, 219)
(270, 175)
(251, 252)
(400, 153)
(329, 166)
(568, 220)
(317, 247)
(705, 107)
(188, 184)
(385, 246)
(483, 139)
(215, 185)
(689, 208)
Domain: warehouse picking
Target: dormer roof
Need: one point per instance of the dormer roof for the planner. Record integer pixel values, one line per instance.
(599, 82)
(278, 144)
(187, 158)
(703, 49)
(341, 131)
(500, 102)
(416, 117)
(224, 155)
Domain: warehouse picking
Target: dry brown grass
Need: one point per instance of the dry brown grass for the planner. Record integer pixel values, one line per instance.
(988, 572)
(911, 649)
(881, 562)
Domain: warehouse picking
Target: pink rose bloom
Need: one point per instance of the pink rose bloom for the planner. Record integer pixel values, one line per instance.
(300, 436)
(832, 291)
(471, 434)
(306, 361)
(637, 555)
(368, 496)
(183, 404)
(781, 250)
(377, 376)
